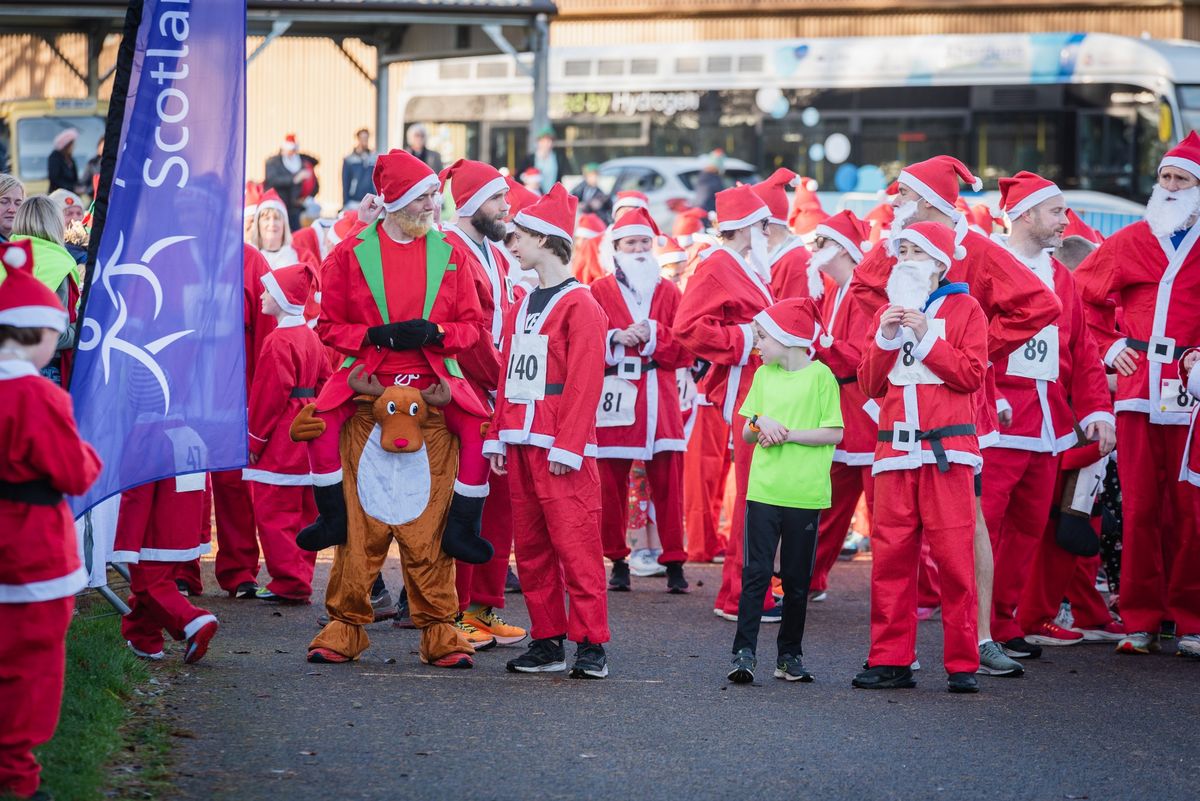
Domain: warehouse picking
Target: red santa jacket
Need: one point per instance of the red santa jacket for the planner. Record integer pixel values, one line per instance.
(489, 274)
(39, 557)
(563, 421)
(1045, 410)
(353, 299)
(841, 350)
(586, 264)
(954, 364)
(657, 419)
(789, 270)
(291, 370)
(713, 322)
(1016, 307)
(1189, 471)
(1158, 289)
(257, 324)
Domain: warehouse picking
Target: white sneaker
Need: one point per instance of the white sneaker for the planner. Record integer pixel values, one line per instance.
(818, 597)
(156, 656)
(1064, 617)
(1189, 645)
(644, 564)
(915, 666)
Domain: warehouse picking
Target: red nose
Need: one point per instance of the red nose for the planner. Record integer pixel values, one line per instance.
(400, 442)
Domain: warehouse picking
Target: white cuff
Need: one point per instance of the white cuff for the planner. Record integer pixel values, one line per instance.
(1002, 406)
(648, 348)
(610, 353)
(471, 490)
(925, 345)
(1116, 348)
(1193, 384)
(572, 460)
(747, 345)
(1098, 417)
(895, 343)
(494, 447)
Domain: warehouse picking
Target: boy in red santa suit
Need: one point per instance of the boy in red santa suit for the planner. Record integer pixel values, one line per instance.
(290, 370)
(1153, 269)
(713, 322)
(44, 460)
(639, 415)
(544, 438)
(838, 246)
(1045, 389)
(925, 361)
(787, 255)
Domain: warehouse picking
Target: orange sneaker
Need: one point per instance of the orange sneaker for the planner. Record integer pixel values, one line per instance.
(777, 588)
(488, 622)
(325, 656)
(480, 640)
(460, 661)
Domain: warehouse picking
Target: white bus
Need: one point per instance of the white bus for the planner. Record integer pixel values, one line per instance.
(1091, 111)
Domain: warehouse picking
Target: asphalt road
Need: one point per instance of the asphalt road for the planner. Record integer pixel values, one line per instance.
(257, 722)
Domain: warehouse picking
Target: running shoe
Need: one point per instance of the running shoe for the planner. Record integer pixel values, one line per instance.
(676, 583)
(772, 615)
(155, 656)
(183, 587)
(455, 661)
(790, 667)
(326, 656)
(742, 671)
(1020, 648)
(1065, 617)
(1189, 645)
(383, 606)
(263, 594)
(619, 579)
(643, 563)
(488, 622)
(480, 640)
(198, 640)
(993, 662)
(1166, 630)
(777, 588)
(1052, 634)
(542, 656)
(1109, 632)
(885, 677)
(1139, 642)
(818, 597)
(962, 683)
(511, 582)
(590, 661)
(245, 591)
(721, 613)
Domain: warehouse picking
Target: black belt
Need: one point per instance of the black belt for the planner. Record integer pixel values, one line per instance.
(934, 437)
(554, 389)
(304, 392)
(39, 492)
(849, 379)
(647, 367)
(1144, 347)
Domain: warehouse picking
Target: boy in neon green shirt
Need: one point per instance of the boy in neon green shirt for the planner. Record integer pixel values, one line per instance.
(794, 414)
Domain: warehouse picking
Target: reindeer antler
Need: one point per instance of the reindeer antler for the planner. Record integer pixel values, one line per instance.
(437, 395)
(369, 387)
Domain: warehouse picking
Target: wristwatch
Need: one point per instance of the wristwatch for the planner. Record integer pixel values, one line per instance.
(754, 424)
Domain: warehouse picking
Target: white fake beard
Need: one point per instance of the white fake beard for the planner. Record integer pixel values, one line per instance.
(902, 215)
(759, 253)
(641, 270)
(1168, 212)
(908, 285)
(816, 284)
(605, 253)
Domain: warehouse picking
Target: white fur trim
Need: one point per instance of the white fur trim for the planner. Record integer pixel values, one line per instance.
(47, 590)
(327, 479)
(1114, 350)
(629, 203)
(276, 479)
(895, 343)
(672, 257)
(1098, 417)
(1182, 163)
(35, 317)
(195, 624)
(926, 191)
(415, 191)
(1034, 198)
(855, 251)
(561, 456)
(539, 225)
(775, 330)
(471, 490)
(747, 343)
(632, 230)
(919, 239)
(19, 368)
(275, 291)
(651, 344)
(925, 345)
(481, 196)
(777, 221)
(758, 215)
(263, 205)
(494, 447)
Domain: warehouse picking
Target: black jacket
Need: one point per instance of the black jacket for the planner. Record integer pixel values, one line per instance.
(61, 171)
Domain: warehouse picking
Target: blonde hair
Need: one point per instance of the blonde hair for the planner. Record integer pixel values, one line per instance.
(255, 238)
(40, 218)
(8, 183)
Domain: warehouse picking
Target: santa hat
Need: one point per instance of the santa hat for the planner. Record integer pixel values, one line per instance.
(936, 180)
(937, 240)
(289, 286)
(1023, 191)
(1185, 155)
(630, 200)
(401, 178)
(848, 231)
(271, 200)
(519, 199)
(531, 174)
(773, 192)
(253, 195)
(342, 226)
(688, 223)
(289, 143)
(635, 222)
(794, 322)
(739, 207)
(553, 214)
(806, 212)
(589, 226)
(472, 183)
(26, 302)
(982, 216)
(65, 198)
(671, 253)
(1077, 227)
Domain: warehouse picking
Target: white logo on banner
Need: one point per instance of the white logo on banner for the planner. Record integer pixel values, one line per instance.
(111, 340)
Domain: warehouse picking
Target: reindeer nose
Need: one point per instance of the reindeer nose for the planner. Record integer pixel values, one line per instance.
(400, 442)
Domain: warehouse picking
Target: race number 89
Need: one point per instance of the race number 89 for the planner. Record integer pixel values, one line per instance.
(1036, 350)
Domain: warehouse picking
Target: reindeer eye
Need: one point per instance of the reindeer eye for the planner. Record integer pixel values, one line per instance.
(391, 407)
(413, 409)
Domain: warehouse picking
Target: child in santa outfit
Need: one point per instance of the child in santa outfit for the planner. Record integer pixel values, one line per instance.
(544, 438)
(713, 321)
(926, 359)
(639, 415)
(40, 573)
(793, 414)
(289, 372)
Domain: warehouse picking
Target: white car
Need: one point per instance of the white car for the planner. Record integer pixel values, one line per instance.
(667, 178)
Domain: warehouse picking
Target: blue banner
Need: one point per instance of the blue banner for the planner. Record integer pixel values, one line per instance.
(159, 376)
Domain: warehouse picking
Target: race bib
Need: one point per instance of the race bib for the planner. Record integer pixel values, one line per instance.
(617, 402)
(687, 388)
(1037, 358)
(191, 457)
(1174, 397)
(908, 368)
(525, 375)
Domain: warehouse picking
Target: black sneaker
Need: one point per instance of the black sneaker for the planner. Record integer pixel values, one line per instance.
(885, 677)
(676, 583)
(962, 683)
(246, 590)
(791, 668)
(1020, 648)
(773, 615)
(619, 581)
(590, 661)
(743, 667)
(183, 587)
(543, 656)
(511, 582)
(1166, 630)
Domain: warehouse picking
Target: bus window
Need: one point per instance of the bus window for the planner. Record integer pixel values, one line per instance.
(36, 134)
(1189, 108)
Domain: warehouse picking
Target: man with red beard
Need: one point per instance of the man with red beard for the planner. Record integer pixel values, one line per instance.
(639, 415)
(838, 246)
(1045, 390)
(1153, 268)
(713, 322)
(787, 255)
(1016, 308)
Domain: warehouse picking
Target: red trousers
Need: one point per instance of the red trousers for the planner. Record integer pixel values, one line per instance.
(705, 470)
(556, 534)
(33, 662)
(189, 572)
(156, 604)
(280, 512)
(1056, 574)
(848, 483)
(731, 571)
(1157, 582)
(484, 584)
(929, 589)
(1018, 492)
(664, 474)
(237, 543)
(911, 505)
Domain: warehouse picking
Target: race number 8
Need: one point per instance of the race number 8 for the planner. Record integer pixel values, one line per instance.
(908, 359)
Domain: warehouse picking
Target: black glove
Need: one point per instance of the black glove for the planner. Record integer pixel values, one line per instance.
(407, 335)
